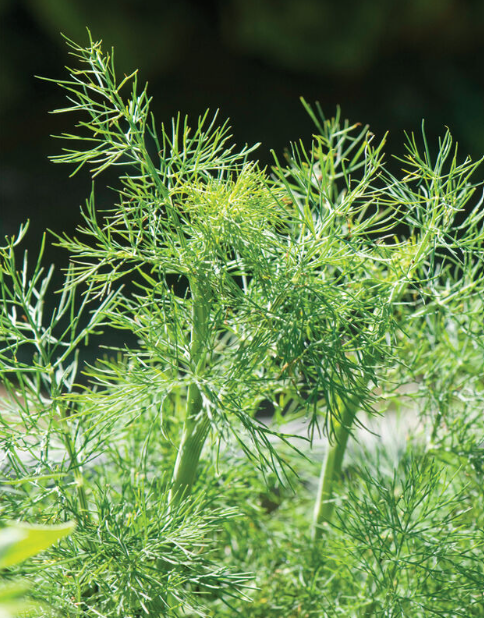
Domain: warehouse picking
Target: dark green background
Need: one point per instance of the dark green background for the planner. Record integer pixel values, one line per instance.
(386, 63)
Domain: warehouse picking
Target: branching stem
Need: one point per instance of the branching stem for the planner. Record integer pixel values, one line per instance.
(197, 423)
(331, 468)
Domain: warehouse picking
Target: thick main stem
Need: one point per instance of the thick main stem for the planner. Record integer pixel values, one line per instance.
(195, 431)
(331, 469)
(197, 424)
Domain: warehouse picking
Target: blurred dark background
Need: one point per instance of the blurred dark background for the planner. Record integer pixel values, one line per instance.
(386, 63)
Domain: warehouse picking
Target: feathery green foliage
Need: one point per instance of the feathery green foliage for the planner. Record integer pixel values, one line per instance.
(325, 292)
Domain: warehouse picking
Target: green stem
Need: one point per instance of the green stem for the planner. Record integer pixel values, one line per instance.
(195, 432)
(78, 478)
(197, 423)
(331, 469)
(71, 451)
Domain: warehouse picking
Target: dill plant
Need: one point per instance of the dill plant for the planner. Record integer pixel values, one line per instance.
(316, 290)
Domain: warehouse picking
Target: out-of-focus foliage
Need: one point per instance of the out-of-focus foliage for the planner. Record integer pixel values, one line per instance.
(319, 35)
(306, 35)
(155, 36)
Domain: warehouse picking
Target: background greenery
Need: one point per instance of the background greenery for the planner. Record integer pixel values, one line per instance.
(387, 63)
